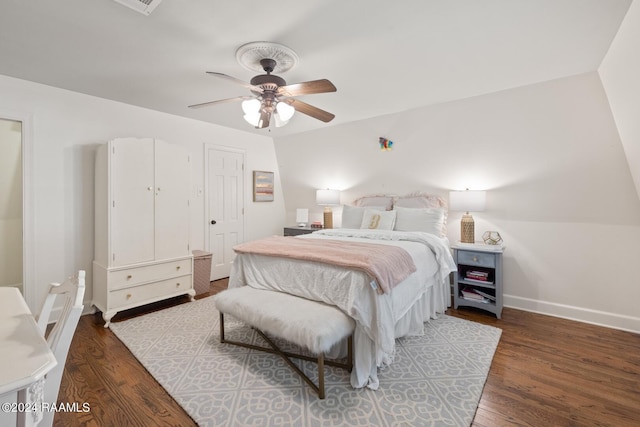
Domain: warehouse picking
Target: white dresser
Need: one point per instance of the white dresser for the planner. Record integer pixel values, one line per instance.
(142, 251)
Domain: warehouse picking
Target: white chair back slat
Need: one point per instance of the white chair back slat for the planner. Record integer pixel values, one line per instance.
(60, 336)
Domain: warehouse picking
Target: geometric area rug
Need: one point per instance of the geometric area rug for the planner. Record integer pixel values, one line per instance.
(435, 379)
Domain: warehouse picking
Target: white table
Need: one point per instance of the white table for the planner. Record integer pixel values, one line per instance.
(25, 358)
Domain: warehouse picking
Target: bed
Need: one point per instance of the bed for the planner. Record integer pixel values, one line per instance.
(415, 224)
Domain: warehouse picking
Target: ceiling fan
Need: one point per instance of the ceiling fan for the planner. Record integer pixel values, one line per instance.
(273, 97)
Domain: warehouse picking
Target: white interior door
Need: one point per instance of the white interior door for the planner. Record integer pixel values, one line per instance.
(29, 288)
(11, 245)
(225, 206)
(172, 178)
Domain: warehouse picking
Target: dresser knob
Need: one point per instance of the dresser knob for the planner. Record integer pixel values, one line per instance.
(178, 285)
(475, 259)
(129, 277)
(129, 296)
(178, 268)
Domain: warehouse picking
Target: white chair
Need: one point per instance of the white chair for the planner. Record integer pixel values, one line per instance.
(60, 336)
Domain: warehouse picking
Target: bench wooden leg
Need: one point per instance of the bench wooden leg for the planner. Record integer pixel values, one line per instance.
(321, 375)
(319, 389)
(350, 353)
(287, 355)
(221, 327)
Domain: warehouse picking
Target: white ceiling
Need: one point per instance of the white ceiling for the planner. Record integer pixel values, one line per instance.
(384, 57)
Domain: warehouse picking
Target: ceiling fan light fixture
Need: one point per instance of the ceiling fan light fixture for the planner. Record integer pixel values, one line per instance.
(251, 106)
(285, 111)
(273, 99)
(252, 119)
(278, 119)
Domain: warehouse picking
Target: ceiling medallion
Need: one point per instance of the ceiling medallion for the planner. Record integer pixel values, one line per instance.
(249, 56)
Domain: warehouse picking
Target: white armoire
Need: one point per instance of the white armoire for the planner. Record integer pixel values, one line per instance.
(142, 252)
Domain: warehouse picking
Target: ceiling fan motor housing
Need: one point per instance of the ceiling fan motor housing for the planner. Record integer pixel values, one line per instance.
(268, 82)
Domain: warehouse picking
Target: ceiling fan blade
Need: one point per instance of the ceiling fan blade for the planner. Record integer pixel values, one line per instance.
(265, 116)
(237, 81)
(307, 88)
(220, 101)
(310, 110)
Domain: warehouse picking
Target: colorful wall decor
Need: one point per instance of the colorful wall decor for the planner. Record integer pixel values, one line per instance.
(385, 144)
(262, 186)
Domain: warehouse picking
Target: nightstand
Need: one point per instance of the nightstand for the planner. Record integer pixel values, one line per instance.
(296, 231)
(478, 281)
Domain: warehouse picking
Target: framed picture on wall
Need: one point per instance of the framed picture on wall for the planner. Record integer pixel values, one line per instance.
(262, 186)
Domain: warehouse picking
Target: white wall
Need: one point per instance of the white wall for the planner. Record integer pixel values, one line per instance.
(560, 190)
(67, 127)
(619, 72)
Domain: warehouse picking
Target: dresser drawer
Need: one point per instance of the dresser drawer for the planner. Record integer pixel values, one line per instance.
(479, 259)
(125, 278)
(151, 291)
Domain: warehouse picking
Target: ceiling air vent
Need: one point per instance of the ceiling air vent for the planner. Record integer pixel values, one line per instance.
(142, 6)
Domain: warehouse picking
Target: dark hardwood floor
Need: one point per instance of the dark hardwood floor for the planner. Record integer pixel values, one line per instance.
(546, 372)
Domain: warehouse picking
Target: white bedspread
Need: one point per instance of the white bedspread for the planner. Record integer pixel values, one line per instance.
(379, 318)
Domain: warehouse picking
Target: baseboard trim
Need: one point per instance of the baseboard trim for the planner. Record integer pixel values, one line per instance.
(585, 315)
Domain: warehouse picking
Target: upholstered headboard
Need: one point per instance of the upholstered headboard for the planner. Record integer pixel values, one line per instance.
(417, 211)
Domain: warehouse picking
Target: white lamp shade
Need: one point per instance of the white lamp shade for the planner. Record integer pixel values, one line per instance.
(302, 216)
(467, 201)
(285, 111)
(251, 108)
(327, 197)
(278, 119)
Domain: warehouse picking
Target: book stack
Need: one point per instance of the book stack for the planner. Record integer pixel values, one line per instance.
(477, 276)
(476, 295)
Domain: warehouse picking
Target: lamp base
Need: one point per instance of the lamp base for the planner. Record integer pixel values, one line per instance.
(328, 217)
(467, 229)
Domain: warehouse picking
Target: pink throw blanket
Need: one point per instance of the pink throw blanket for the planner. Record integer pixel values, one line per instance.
(388, 265)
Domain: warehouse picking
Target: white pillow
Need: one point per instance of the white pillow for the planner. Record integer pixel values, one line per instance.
(430, 220)
(374, 202)
(378, 220)
(352, 215)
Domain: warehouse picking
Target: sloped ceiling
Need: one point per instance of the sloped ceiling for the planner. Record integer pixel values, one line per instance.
(384, 57)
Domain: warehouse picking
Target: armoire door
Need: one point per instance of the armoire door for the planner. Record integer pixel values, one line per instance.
(132, 201)
(172, 181)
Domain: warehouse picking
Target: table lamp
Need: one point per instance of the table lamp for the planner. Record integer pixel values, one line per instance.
(302, 217)
(467, 201)
(328, 198)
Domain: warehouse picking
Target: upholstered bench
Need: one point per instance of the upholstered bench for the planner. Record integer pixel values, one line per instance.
(312, 325)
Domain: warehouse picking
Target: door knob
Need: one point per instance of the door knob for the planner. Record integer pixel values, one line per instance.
(213, 221)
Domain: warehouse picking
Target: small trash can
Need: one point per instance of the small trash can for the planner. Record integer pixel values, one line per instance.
(201, 271)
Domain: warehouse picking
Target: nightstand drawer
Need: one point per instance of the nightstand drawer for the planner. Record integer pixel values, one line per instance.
(479, 259)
